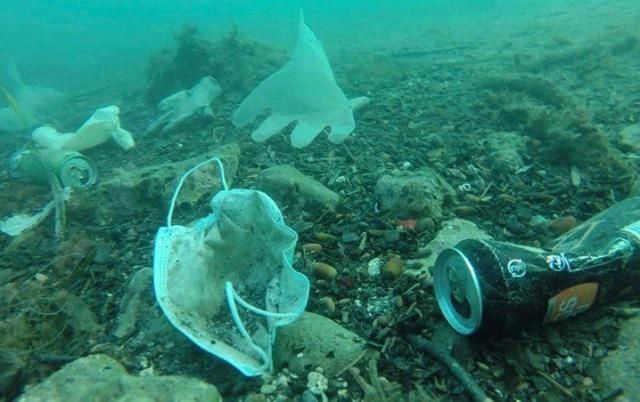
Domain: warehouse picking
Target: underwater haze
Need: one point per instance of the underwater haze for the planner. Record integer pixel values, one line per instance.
(69, 44)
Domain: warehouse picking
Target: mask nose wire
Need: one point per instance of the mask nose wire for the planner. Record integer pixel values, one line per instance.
(223, 182)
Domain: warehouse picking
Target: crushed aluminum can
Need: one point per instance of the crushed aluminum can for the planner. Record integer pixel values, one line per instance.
(71, 168)
(491, 286)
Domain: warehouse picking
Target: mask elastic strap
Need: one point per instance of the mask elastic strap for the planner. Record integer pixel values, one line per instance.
(254, 309)
(223, 182)
(232, 298)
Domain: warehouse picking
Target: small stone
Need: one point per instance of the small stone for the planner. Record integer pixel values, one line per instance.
(426, 225)
(329, 304)
(382, 321)
(268, 389)
(464, 211)
(514, 226)
(629, 138)
(350, 237)
(394, 266)
(324, 237)
(537, 220)
(392, 236)
(563, 224)
(287, 184)
(374, 266)
(255, 398)
(311, 248)
(324, 271)
(414, 193)
(587, 382)
(317, 383)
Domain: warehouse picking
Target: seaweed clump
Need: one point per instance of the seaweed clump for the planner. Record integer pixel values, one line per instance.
(238, 63)
(559, 131)
(45, 316)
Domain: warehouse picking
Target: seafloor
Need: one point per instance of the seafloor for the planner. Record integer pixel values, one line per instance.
(566, 97)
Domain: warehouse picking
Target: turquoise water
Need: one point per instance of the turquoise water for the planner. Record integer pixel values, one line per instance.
(518, 116)
(66, 42)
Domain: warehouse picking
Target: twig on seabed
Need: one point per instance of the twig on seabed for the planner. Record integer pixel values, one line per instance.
(452, 364)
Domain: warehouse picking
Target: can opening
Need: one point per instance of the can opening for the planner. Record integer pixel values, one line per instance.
(457, 291)
(77, 172)
(457, 295)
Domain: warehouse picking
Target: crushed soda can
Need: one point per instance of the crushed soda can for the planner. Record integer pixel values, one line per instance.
(71, 168)
(491, 286)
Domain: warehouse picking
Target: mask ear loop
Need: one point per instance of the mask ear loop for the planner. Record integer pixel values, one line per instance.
(223, 182)
(232, 298)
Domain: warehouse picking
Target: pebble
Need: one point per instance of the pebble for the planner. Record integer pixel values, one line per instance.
(317, 383)
(424, 251)
(312, 248)
(464, 211)
(392, 236)
(426, 225)
(256, 398)
(629, 136)
(374, 266)
(537, 220)
(563, 224)
(268, 389)
(394, 266)
(325, 237)
(350, 237)
(324, 271)
(514, 226)
(329, 304)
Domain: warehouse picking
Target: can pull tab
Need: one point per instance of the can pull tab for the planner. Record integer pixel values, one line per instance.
(79, 176)
(457, 284)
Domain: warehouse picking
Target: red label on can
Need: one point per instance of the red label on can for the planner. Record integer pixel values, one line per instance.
(570, 302)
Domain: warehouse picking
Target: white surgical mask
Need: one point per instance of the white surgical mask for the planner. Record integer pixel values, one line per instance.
(227, 281)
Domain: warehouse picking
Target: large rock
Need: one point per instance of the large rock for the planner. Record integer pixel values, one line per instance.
(288, 185)
(629, 138)
(412, 194)
(621, 367)
(100, 378)
(316, 341)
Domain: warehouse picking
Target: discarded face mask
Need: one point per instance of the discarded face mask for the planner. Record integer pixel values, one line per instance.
(227, 281)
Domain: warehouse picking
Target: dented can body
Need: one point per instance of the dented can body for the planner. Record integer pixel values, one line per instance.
(486, 286)
(71, 168)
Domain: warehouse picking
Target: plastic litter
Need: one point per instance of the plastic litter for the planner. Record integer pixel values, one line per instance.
(25, 104)
(227, 281)
(101, 126)
(305, 91)
(186, 104)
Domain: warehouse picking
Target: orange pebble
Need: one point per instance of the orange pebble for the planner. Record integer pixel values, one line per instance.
(563, 224)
